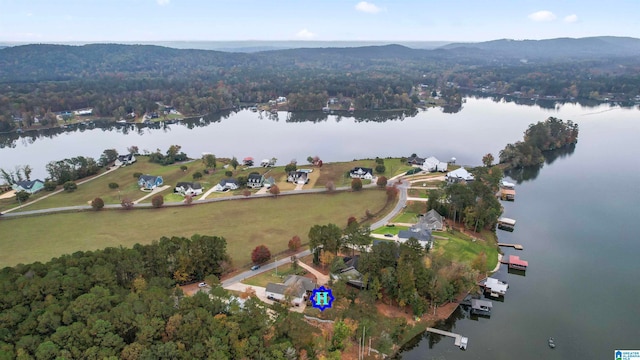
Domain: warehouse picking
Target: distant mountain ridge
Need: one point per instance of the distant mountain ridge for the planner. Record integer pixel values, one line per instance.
(594, 47)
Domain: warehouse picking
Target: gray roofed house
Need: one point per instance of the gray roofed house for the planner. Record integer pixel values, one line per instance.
(123, 160)
(297, 287)
(31, 187)
(434, 220)
(361, 173)
(458, 175)
(255, 180)
(481, 307)
(420, 231)
(188, 188)
(229, 184)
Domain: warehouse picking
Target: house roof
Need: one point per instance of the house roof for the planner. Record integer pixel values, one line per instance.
(480, 304)
(432, 217)
(415, 160)
(361, 170)
(514, 259)
(254, 177)
(270, 180)
(126, 157)
(276, 288)
(27, 185)
(223, 182)
(306, 283)
(496, 285)
(186, 185)
(417, 233)
(149, 177)
(460, 173)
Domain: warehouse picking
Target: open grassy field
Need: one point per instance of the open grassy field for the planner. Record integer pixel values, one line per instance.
(406, 217)
(244, 223)
(271, 277)
(462, 248)
(336, 171)
(389, 230)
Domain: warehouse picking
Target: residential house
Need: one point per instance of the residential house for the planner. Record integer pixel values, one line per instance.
(255, 180)
(297, 288)
(298, 177)
(350, 274)
(434, 220)
(459, 175)
(83, 112)
(187, 188)
(31, 187)
(432, 164)
(124, 160)
(420, 231)
(361, 173)
(268, 162)
(415, 160)
(226, 185)
(149, 182)
(281, 99)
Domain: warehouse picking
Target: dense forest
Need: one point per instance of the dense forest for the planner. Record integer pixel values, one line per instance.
(124, 304)
(38, 81)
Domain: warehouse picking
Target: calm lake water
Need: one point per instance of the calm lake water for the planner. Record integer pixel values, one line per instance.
(575, 219)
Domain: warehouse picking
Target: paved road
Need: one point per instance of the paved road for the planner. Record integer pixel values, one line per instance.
(270, 266)
(397, 209)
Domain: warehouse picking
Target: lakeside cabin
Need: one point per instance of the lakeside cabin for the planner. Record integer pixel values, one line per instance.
(516, 263)
(507, 191)
(506, 224)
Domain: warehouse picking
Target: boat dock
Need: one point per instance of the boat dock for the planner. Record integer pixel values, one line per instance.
(460, 341)
(506, 224)
(515, 246)
(515, 262)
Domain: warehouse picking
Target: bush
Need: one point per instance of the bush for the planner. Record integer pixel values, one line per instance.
(295, 243)
(356, 184)
(183, 167)
(70, 186)
(197, 175)
(290, 167)
(97, 204)
(50, 185)
(228, 173)
(127, 203)
(382, 181)
(379, 161)
(22, 196)
(157, 201)
(206, 171)
(274, 190)
(113, 185)
(260, 254)
(380, 169)
(137, 175)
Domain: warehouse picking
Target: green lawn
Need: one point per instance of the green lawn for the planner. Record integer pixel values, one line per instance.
(406, 217)
(461, 248)
(244, 223)
(270, 276)
(389, 230)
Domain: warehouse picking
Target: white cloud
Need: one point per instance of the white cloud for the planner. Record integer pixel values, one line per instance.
(367, 7)
(29, 14)
(305, 34)
(571, 18)
(542, 15)
(162, 2)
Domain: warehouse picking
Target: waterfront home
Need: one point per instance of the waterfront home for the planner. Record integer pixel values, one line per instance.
(420, 231)
(494, 287)
(434, 220)
(31, 187)
(124, 160)
(187, 188)
(415, 160)
(149, 182)
(481, 307)
(255, 180)
(226, 185)
(459, 175)
(361, 173)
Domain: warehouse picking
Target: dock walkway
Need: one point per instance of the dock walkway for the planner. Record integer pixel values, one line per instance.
(460, 341)
(515, 246)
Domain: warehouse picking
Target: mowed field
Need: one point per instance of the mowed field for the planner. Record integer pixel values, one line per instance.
(243, 223)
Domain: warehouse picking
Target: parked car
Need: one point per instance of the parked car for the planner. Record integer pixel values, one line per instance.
(202, 284)
(388, 235)
(255, 267)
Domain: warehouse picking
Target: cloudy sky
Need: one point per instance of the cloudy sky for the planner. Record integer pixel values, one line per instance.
(387, 20)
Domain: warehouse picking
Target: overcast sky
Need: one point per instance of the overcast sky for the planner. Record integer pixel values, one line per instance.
(387, 20)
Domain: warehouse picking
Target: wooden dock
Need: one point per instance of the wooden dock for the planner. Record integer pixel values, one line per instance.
(460, 341)
(515, 246)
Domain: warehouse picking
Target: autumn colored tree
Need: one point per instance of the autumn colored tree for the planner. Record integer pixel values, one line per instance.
(352, 221)
(127, 203)
(188, 199)
(246, 193)
(392, 192)
(97, 203)
(274, 190)
(331, 187)
(260, 254)
(382, 181)
(487, 160)
(356, 184)
(295, 243)
(157, 201)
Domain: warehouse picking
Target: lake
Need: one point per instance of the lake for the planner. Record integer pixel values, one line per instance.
(573, 216)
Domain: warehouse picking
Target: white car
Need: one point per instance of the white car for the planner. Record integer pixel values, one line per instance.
(202, 284)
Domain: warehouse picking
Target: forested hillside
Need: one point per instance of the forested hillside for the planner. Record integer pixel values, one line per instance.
(37, 81)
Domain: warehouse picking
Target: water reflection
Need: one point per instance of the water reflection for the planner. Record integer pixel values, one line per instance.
(531, 172)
